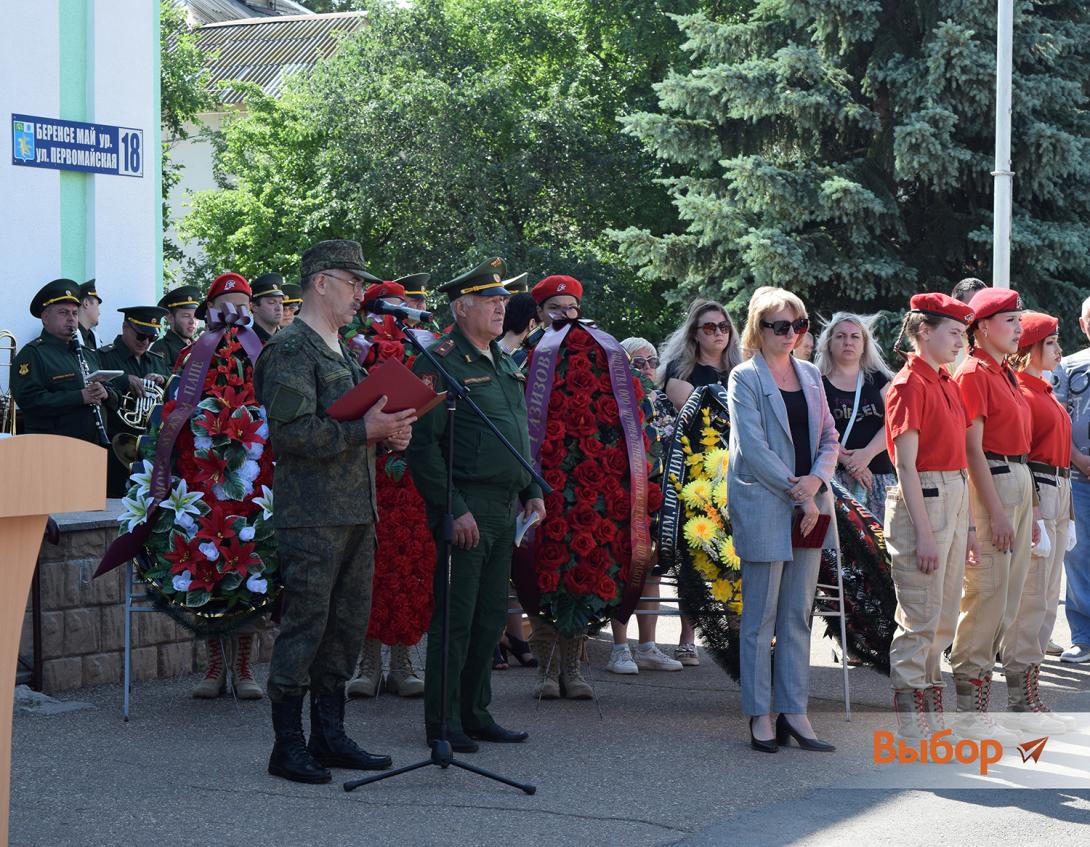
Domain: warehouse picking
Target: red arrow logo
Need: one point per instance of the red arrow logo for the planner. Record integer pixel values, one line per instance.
(1032, 749)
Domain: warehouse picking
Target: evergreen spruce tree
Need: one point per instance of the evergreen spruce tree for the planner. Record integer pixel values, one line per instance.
(844, 148)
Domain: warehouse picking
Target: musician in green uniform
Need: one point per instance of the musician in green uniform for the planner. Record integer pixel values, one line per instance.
(491, 488)
(89, 306)
(140, 386)
(181, 304)
(46, 377)
(267, 304)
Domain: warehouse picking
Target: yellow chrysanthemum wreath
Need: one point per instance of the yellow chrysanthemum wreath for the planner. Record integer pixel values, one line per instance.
(705, 524)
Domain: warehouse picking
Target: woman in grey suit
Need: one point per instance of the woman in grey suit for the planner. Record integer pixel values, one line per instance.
(783, 451)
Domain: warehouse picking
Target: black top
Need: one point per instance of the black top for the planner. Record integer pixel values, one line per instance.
(701, 375)
(869, 420)
(798, 416)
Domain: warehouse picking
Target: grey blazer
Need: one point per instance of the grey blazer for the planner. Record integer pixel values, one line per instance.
(762, 457)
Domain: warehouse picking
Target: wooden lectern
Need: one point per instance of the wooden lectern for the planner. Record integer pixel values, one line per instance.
(39, 475)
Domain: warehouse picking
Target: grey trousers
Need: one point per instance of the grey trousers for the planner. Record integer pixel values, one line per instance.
(777, 599)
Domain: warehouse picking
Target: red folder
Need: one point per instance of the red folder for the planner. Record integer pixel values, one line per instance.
(816, 537)
(403, 390)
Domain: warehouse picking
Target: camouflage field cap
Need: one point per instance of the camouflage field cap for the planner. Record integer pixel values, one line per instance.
(335, 255)
(57, 291)
(485, 280)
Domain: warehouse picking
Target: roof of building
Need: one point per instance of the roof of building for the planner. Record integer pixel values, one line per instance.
(265, 51)
(201, 12)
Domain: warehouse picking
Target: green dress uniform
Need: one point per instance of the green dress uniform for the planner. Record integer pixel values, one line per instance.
(489, 483)
(46, 380)
(118, 357)
(172, 344)
(170, 347)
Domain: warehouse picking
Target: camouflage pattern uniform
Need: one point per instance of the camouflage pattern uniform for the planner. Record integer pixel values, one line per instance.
(324, 514)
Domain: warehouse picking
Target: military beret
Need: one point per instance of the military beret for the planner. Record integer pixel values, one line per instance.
(224, 284)
(293, 293)
(991, 301)
(182, 297)
(1037, 326)
(485, 280)
(144, 319)
(555, 285)
(88, 290)
(517, 283)
(383, 289)
(335, 255)
(941, 306)
(267, 285)
(57, 291)
(415, 285)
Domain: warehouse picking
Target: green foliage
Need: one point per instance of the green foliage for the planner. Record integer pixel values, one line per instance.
(449, 130)
(183, 96)
(843, 149)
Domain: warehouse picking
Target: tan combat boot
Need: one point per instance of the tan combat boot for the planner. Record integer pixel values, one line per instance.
(215, 677)
(1023, 699)
(401, 678)
(973, 720)
(910, 706)
(543, 644)
(368, 676)
(1035, 693)
(572, 684)
(935, 715)
(246, 687)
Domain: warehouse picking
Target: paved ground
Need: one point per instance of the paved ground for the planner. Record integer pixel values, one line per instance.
(666, 763)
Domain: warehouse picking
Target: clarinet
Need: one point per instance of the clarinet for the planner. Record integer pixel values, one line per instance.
(100, 424)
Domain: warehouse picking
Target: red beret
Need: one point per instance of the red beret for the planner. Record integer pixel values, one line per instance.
(1037, 327)
(941, 305)
(229, 281)
(383, 289)
(554, 285)
(992, 301)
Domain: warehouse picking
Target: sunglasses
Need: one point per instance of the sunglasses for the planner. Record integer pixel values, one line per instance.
(709, 328)
(644, 361)
(783, 327)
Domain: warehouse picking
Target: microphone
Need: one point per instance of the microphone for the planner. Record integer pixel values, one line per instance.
(381, 307)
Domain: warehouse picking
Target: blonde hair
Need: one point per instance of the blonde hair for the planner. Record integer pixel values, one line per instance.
(871, 360)
(764, 300)
(681, 350)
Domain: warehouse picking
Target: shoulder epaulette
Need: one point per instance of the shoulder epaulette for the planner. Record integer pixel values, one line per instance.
(155, 353)
(34, 342)
(106, 348)
(444, 347)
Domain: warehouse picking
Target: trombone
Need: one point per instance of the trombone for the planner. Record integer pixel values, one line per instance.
(8, 347)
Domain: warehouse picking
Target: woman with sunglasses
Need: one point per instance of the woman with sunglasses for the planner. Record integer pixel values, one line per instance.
(783, 451)
(702, 351)
(927, 514)
(1050, 464)
(1001, 498)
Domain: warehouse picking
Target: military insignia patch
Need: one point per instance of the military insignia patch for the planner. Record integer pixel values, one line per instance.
(496, 263)
(444, 347)
(24, 369)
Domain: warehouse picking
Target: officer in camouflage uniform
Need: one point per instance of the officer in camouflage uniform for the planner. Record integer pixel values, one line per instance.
(45, 376)
(182, 303)
(489, 485)
(131, 352)
(324, 515)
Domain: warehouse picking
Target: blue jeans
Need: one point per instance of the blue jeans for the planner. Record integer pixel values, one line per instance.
(1077, 566)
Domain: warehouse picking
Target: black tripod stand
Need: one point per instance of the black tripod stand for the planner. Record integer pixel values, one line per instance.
(441, 753)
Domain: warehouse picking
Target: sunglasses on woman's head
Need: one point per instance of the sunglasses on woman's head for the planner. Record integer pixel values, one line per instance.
(644, 361)
(783, 327)
(709, 328)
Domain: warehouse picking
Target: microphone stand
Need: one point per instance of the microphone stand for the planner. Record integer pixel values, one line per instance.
(441, 753)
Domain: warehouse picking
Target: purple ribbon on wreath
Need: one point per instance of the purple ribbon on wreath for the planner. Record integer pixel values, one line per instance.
(190, 387)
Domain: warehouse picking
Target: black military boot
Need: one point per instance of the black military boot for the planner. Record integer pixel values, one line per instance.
(290, 758)
(328, 743)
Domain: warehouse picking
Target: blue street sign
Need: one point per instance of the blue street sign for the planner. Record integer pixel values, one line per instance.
(38, 142)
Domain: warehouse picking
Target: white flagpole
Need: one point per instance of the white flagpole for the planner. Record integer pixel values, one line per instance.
(1004, 177)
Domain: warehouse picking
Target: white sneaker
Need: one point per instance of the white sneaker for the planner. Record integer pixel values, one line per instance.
(687, 655)
(620, 661)
(1076, 654)
(655, 660)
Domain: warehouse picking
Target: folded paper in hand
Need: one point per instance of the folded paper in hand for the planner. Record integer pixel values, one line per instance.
(522, 524)
(403, 390)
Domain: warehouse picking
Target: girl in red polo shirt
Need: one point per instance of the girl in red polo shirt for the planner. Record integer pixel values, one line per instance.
(927, 513)
(1049, 463)
(1001, 498)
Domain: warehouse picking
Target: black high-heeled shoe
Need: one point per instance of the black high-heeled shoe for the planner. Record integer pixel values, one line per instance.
(769, 746)
(784, 731)
(521, 650)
